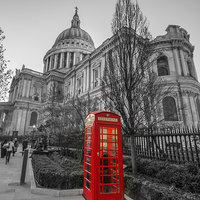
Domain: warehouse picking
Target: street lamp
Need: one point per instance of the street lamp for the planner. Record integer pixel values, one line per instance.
(33, 136)
(34, 129)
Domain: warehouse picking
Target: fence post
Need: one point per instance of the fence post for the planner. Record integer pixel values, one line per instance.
(24, 164)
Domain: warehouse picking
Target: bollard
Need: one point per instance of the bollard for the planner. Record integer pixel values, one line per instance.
(24, 164)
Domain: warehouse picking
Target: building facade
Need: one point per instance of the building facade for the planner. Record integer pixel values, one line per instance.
(75, 66)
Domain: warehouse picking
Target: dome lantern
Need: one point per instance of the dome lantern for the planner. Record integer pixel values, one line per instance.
(75, 20)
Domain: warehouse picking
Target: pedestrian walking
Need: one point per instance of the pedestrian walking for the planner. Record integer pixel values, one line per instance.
(16, 144)
(9, 150)
(3, 148)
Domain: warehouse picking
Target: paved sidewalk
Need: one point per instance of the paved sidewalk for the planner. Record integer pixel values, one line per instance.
(10, 188)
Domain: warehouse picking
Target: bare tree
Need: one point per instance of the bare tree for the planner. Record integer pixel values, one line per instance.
(5, 75)
(130, 87)
(79, 108)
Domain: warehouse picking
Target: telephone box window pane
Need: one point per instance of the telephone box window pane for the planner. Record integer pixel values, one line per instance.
(88, 137)
(116, 138)
(105, 130)
(101, 189)
(105, 138)
(87, 184)
(105, 145)
(117, 153)
(100, 137)
(113, 138)
(100, 145)
(113, 145)
(113, 179)
(116, 145)
(88, 152)
(108, 153)
(101, 179)
(109, 170)
(109, 189)
(113, 162)
(114, 170)
(118, 188)
(88, 144)
(108, 162)
(105, 162)
(113, 131)
(88, 176)
(88, 168)
(88, 160)
(89, 130)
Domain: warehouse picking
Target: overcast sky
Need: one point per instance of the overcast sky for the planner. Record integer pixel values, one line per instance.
(32, 26)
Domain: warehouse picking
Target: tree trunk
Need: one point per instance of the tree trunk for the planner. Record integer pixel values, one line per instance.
(133, 155)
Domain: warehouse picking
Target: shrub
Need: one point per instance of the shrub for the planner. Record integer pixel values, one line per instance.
(185, 177)
(50, 174)
(132, 186)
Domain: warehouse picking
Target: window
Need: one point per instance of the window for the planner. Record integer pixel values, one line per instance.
(79, 85)
(162, 65)
(36, 98)
(33, 120)
(169, 108)
(95, 74)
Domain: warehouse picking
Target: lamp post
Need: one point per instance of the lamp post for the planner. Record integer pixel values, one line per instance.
(33, 136)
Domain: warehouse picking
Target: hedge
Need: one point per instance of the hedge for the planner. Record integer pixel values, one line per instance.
(49, 174)
(185, 177)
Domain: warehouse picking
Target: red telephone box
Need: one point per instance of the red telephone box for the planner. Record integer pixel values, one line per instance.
(103, 157)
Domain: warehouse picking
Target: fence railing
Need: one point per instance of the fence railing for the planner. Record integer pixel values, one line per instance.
(175, 145)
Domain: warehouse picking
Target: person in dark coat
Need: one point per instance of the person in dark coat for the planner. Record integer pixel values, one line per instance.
(3, 150)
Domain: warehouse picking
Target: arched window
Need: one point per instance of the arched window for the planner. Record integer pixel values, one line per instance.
(162, 65)
(169, 109)
(33, 120)
(198, 107)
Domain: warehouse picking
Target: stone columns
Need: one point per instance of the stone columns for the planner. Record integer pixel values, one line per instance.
(67, 60)
(61, 59)
(74, 59)
(177, 64)
(50, 63)
(55, 61)
(183, 63)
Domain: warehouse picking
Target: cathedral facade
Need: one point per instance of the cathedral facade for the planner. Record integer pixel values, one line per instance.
(76, 66)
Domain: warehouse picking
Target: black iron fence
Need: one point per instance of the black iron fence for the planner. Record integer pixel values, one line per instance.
(174, 145)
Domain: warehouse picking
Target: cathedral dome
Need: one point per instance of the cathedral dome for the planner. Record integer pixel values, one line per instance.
(75, 32)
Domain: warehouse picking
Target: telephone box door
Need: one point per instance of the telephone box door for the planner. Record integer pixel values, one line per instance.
(110, 165)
